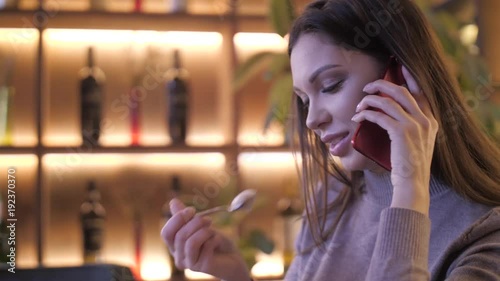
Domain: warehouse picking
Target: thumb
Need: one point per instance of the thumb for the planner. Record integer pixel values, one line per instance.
(176, 205)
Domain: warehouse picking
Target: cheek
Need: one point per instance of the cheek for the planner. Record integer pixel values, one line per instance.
(346, 105)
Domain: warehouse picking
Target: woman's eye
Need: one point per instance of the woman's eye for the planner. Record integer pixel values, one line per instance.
(333, 88)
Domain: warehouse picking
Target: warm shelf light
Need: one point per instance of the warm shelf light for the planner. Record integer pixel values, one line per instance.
(16, 36)
(155, 269)
(26, 138)
(154, 140)
(254, 39)
(185, 159)
(267, 158)
(184, 38)
(60, 257)
(268, 265)
(256, 138)
(205, 139)
(116, 139)
(468, 34)
(73, 160)
(62, 138)
(194, 275)
(123, 139)
(15, 160)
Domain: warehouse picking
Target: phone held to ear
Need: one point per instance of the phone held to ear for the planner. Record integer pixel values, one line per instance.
(370, 139)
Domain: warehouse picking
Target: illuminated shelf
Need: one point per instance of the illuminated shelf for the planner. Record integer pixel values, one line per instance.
(58, 161)
(16, 150)
(137, 149)
(129, 21)
(144, 149)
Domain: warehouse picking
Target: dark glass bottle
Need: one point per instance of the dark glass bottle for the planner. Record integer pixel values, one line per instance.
(177, 95)
(92, 215)
(92, 80)
(173, 192)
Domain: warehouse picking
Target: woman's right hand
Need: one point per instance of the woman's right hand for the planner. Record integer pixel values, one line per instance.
(197, 246)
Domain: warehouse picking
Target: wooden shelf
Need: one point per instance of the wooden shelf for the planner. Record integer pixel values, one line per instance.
(128, 21)
(264, 149)
(16, 19)
(16, 150)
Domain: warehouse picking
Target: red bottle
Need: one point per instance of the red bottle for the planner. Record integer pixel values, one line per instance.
(135, 126)
(138, 6)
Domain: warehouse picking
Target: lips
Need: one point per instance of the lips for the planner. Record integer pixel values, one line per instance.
(333, 139)
(339, 142)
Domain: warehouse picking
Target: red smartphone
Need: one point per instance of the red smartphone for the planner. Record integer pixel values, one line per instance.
(370, 139)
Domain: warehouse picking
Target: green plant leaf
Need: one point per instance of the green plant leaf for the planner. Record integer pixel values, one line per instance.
(260, 241)
(279, 64)
(250, 68)
(281, 15)
(280, 98)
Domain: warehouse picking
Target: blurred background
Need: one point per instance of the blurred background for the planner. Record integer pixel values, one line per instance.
(110, 108)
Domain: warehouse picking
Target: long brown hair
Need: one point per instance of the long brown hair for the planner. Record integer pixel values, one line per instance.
(464, 157)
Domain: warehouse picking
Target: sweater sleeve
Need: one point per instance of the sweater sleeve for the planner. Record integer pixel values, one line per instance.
(402, 247)
(478, 255)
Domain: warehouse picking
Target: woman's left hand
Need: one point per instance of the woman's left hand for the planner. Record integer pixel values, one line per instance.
(412, 128)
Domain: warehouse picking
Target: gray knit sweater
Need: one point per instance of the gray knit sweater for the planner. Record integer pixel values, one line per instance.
(459, 241)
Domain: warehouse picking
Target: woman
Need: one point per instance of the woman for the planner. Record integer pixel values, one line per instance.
(434, 216)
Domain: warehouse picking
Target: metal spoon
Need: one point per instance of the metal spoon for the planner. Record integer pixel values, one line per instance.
(244, 200)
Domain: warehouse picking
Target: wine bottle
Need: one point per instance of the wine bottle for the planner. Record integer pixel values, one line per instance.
(177, 95)
(290, 210)
(177, 6)
(9, 4)
(92, 215)
(173, 192)
(138, 6)
(98, 5)
(91, 88)
(135, 121)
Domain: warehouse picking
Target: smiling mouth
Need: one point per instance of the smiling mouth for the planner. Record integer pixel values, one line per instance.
(338, 143)
(333, 139)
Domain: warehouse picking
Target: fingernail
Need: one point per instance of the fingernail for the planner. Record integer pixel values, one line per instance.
(355, 118)
(358, 107)
(207, 220)
(367, 86)
(188, 212)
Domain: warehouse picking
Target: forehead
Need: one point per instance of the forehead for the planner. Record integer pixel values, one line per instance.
(314, 50)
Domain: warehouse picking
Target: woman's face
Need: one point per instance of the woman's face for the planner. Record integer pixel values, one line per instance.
(330, 79)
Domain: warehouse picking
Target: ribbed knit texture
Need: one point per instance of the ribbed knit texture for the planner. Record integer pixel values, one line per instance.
(405, 236)
(460, 240)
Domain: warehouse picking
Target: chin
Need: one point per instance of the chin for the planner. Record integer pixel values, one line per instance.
(355, 161)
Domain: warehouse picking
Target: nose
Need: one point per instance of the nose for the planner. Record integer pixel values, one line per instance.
(317, 115)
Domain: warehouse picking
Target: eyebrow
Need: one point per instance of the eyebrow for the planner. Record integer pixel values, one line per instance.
(321, 69)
